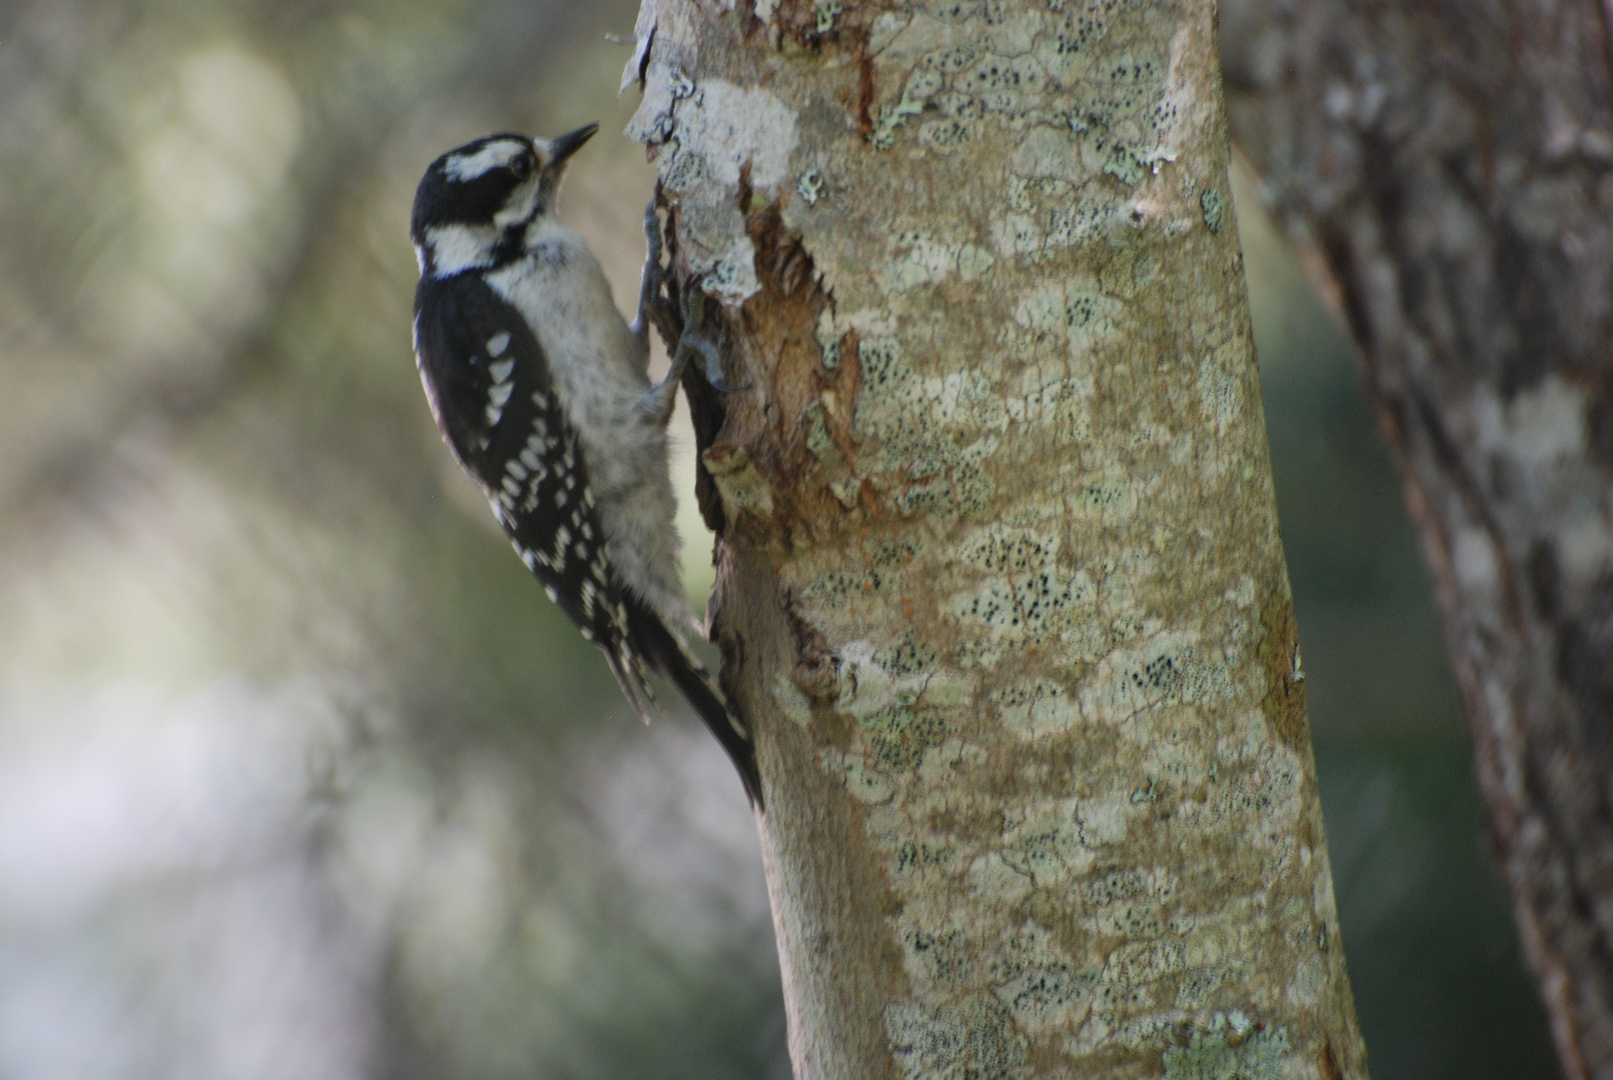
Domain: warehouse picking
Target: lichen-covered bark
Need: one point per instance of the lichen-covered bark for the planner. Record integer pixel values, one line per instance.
(1451, 168)
(1000, 584)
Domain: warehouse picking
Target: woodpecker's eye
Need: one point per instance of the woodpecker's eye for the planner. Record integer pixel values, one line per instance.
(522, 166)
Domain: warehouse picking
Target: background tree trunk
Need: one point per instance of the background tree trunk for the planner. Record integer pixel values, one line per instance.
(1000, 583)
(1448, 167)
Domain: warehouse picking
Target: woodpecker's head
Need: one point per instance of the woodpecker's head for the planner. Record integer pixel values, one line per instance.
(475, 204)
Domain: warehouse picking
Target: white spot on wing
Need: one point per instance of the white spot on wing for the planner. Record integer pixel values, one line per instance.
(495, 347)
(500, 393)
(501, 370)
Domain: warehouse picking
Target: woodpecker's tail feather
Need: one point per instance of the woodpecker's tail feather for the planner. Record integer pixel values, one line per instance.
(628, 667)
(667, 653)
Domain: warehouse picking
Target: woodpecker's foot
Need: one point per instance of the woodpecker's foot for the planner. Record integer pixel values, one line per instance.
(695, 341)
(651, 282)
(659, 399)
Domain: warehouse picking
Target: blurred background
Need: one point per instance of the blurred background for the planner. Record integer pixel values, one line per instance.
(299, 774)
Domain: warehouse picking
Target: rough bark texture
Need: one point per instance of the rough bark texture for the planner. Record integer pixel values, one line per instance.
(1448, 164)
(1000, 583)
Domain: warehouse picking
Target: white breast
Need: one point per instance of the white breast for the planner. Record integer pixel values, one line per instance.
(600, 379)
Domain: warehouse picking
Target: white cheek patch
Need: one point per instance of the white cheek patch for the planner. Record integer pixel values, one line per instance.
(495, 155)
(519, 206)
(460, 247)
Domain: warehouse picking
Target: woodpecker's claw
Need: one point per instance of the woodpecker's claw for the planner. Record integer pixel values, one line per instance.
(650, 282)
(694, 319)
(691, 342)
(652, 233)
(654, 305)
(715, 379)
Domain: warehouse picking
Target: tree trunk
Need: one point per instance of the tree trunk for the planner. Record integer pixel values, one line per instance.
(1000, 584)
(1448, 164)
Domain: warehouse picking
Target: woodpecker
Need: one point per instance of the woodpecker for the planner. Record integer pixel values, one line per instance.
(541, 391)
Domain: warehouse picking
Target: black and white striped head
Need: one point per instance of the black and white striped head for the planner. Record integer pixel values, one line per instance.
(475, 204)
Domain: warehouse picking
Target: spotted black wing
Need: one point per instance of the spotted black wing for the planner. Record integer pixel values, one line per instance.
(490, 389)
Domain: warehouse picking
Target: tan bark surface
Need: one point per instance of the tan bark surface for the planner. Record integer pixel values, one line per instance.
(1000, 583)
(1450, 167)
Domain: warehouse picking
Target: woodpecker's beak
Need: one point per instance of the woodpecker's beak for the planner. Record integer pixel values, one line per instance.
(564, 146)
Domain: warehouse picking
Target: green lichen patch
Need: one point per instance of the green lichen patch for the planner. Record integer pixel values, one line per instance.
(914, 855)
(997, 549)
(1031, 608)
(967, 1040)
(1166, 669)
(839, 588)
(898, 735)
(1047, 847)
(742, 485)
(1199, 983)
(1042, 986)
(1213, 205)
(1036, 707)
(911, 428)
(820, 441)
(1222, 394)
(1229, 1054)
(939, 958)
(1080, 315)
(866, 784)
(1137, 963)
(909, 656)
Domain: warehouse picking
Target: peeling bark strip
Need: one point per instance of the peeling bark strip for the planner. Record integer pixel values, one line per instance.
(1452, 167)
(1000, 579)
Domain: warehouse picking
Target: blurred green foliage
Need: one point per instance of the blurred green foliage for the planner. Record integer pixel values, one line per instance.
(298, 772)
